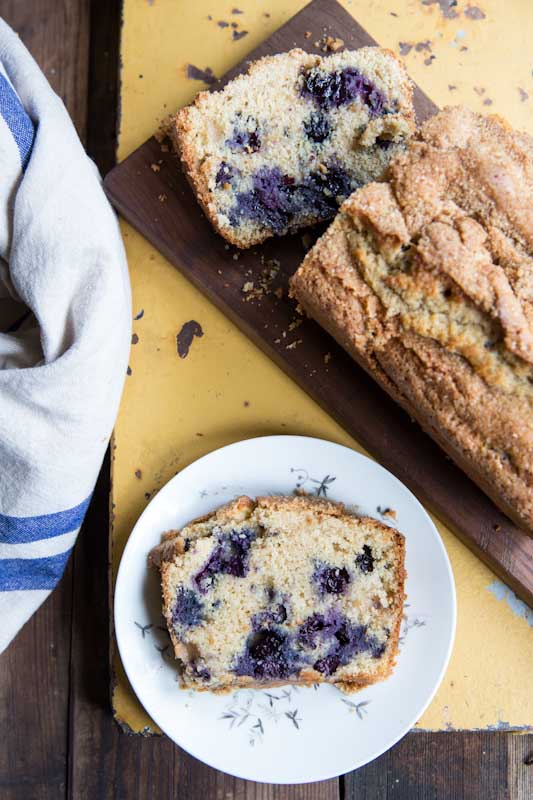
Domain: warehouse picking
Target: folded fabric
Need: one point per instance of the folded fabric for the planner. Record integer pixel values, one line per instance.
(61, 371)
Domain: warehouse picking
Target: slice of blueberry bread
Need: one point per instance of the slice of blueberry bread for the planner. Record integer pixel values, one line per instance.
(282, 145)
(282, 590)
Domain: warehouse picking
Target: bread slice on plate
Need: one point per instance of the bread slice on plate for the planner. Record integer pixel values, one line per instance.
(282, 590)
(282, 145)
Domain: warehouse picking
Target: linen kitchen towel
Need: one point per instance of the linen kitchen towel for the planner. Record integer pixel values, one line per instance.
(62, 370)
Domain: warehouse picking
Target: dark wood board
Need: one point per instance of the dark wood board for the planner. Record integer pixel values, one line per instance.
(179, 230)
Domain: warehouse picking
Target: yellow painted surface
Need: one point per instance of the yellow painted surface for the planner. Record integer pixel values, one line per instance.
(175, 410)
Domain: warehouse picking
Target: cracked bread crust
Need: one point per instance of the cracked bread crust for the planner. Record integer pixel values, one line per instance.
(427, 281)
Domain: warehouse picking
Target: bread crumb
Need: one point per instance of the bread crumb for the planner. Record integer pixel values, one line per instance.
(334, 44)
(329, 44)
(155, 167)
(162, 198)
(293, 345)
(248, 286)
(164, 129)
(307, 34)
(387, 512)
(327, 358)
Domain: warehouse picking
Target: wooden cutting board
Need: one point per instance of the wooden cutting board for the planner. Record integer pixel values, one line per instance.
(150, 191)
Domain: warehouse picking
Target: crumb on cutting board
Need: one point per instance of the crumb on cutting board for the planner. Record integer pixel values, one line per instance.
(329, 44)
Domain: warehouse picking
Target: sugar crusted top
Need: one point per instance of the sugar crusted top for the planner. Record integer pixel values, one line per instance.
(432, 275)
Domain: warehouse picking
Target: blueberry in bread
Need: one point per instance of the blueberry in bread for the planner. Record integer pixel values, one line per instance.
(427, 281)
(280, 146)
(282, 589)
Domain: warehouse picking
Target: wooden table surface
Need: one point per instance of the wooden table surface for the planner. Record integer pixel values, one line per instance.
(60, 739)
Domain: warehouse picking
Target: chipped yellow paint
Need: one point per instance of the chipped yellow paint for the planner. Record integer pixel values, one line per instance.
(175, 410)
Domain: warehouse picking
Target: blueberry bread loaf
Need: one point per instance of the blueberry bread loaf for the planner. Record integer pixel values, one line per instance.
(282, 590)
(427, 281)
(282, 145)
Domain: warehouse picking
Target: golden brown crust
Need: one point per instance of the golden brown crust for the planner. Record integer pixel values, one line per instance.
(427, 281)
(172, 543)
(310, 301)
(323, 506)
(239, 507)
(303, 502)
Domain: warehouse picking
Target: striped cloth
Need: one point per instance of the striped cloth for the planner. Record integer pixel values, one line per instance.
(62, 370)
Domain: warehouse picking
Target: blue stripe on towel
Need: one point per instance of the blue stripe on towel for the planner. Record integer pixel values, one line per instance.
(31, 573)
(17, 120)
(17, 530)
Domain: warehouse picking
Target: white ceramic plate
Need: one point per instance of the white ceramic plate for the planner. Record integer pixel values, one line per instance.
(287, 735)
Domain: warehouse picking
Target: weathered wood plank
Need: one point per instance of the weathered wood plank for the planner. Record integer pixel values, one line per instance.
(34, 671)
(519, 766)
(100, 758)
(448, 766)
(57, 34)
(196, 780)
(34, 703)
